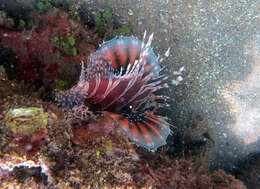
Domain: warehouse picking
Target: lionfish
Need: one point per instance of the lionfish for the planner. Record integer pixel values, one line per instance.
(120, 79)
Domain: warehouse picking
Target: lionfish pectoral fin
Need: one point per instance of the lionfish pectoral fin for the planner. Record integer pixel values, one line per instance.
(149, 132)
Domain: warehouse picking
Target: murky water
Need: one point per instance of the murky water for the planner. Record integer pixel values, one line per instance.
(214, 111)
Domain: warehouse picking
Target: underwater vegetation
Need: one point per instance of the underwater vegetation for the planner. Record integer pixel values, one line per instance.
(59, 47)
(105, 25)
(44, 5)
(87, 137)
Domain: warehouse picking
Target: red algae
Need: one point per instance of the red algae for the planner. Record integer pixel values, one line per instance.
(39, 56)
(31, 144)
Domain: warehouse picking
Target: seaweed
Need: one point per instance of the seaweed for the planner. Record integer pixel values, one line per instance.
(65, 44)
(107, 27)
(44, 5)
(22, 24)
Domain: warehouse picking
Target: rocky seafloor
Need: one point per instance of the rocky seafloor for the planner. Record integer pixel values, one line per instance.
(41, 46)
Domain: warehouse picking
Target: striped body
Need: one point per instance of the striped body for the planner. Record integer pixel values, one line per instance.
(120, 79)
(115, 79)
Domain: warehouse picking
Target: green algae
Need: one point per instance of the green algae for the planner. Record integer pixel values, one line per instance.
(97, 153)
(106, 26)
(74, 51)
(42, 5)
(22, 23)
(61, 85)
(124, 30)
(71, 40)
(66, 44)
(48, 5)
(108, 16)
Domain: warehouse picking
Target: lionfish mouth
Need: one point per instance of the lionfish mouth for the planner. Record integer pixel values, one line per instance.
(121, 79)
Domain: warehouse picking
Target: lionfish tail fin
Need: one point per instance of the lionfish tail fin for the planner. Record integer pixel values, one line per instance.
(145, 129)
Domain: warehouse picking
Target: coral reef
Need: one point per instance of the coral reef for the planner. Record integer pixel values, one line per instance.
(89, 154)
(44, 147)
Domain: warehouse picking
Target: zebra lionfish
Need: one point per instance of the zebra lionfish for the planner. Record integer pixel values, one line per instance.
(120, 79)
